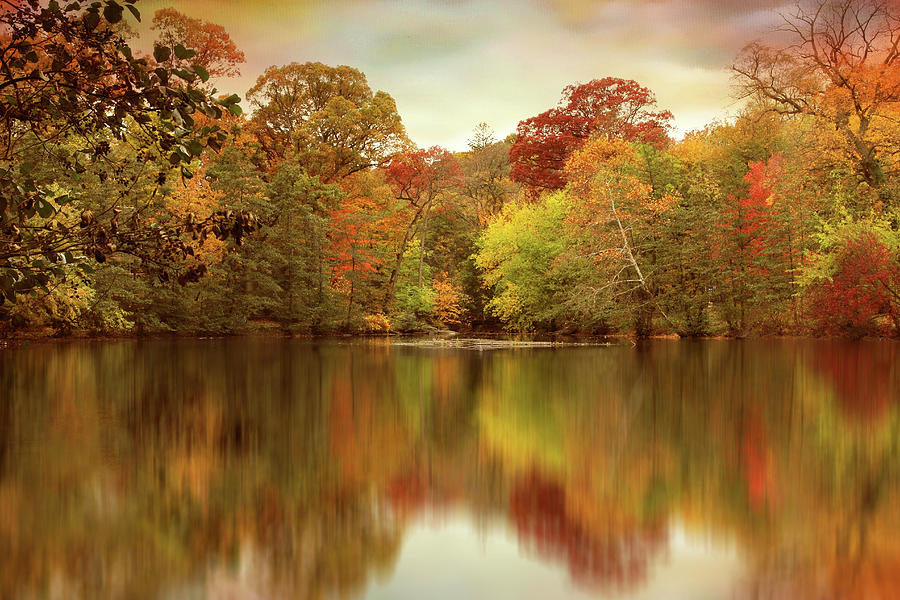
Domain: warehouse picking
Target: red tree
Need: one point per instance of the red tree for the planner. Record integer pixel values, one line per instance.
(749, 217)
(421, 175)
(614, 107)
(866, 285)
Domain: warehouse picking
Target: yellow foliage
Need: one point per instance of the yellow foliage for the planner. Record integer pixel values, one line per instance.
(597, 156)
(660, 205)
(447, 300)
(377, 323)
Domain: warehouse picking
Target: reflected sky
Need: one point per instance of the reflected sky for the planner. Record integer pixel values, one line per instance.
(491, 564)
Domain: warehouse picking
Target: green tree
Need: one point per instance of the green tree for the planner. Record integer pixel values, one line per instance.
(520, 257)
(80, 112)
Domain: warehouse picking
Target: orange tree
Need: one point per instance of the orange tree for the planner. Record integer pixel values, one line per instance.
(841, 68)
(212, 47)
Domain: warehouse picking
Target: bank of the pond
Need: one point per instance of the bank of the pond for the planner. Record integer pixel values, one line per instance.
(444, 338)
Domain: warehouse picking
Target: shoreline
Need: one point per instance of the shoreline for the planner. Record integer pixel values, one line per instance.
(444, 338)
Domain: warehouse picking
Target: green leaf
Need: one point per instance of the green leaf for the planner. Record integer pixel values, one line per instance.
(24, 284)
(134, 11)
(186, 75)
(186, 173)
(195, 147)
(184, 53)
(162, 74)
(91, 19)
(235, 109)
(45, 209)
(112, 12)
(161, 53)
(201, 72)
(211, 111)
(183, 153)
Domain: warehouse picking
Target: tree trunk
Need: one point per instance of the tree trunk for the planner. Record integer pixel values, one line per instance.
(392, 280)
(424, 239)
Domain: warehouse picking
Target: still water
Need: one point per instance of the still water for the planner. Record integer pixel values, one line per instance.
(268, 468)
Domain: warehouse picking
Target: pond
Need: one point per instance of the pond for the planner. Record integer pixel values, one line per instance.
(277, 468)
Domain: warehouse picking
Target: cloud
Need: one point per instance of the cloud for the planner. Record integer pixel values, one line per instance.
(451, 64)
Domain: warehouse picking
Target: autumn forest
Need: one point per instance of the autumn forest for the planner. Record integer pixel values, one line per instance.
(136, 197)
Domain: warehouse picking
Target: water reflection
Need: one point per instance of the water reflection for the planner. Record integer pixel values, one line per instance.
(278, 468)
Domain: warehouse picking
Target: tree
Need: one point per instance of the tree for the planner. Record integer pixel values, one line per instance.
(743, 223)
(841, 67)
(486, 168)
(212, 47)
(360, 243)
(612, 107)
(297, 240)
(326, 117)
(76, 106)
(855, 280)
(617, 222)
(447, 301)
(519, 256)
(421, 178)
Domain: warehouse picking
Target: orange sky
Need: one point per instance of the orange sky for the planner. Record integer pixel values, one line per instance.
(451, 64)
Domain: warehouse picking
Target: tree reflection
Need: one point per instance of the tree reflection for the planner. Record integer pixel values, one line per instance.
(616, 558)
(294, 469)
(865, 382)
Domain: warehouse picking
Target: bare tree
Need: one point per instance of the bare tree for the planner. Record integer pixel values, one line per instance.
(842, 65)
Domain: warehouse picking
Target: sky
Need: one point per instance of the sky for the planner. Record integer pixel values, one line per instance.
(451, 64)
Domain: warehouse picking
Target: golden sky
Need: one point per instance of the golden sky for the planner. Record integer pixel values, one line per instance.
(451, 64)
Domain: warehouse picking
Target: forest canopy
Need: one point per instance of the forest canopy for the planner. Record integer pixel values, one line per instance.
(135, 197)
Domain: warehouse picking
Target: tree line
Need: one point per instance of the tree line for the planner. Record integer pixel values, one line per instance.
(137, 198)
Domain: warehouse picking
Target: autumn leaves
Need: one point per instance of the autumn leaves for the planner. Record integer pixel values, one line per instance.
(589, 218)
(782, 221)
